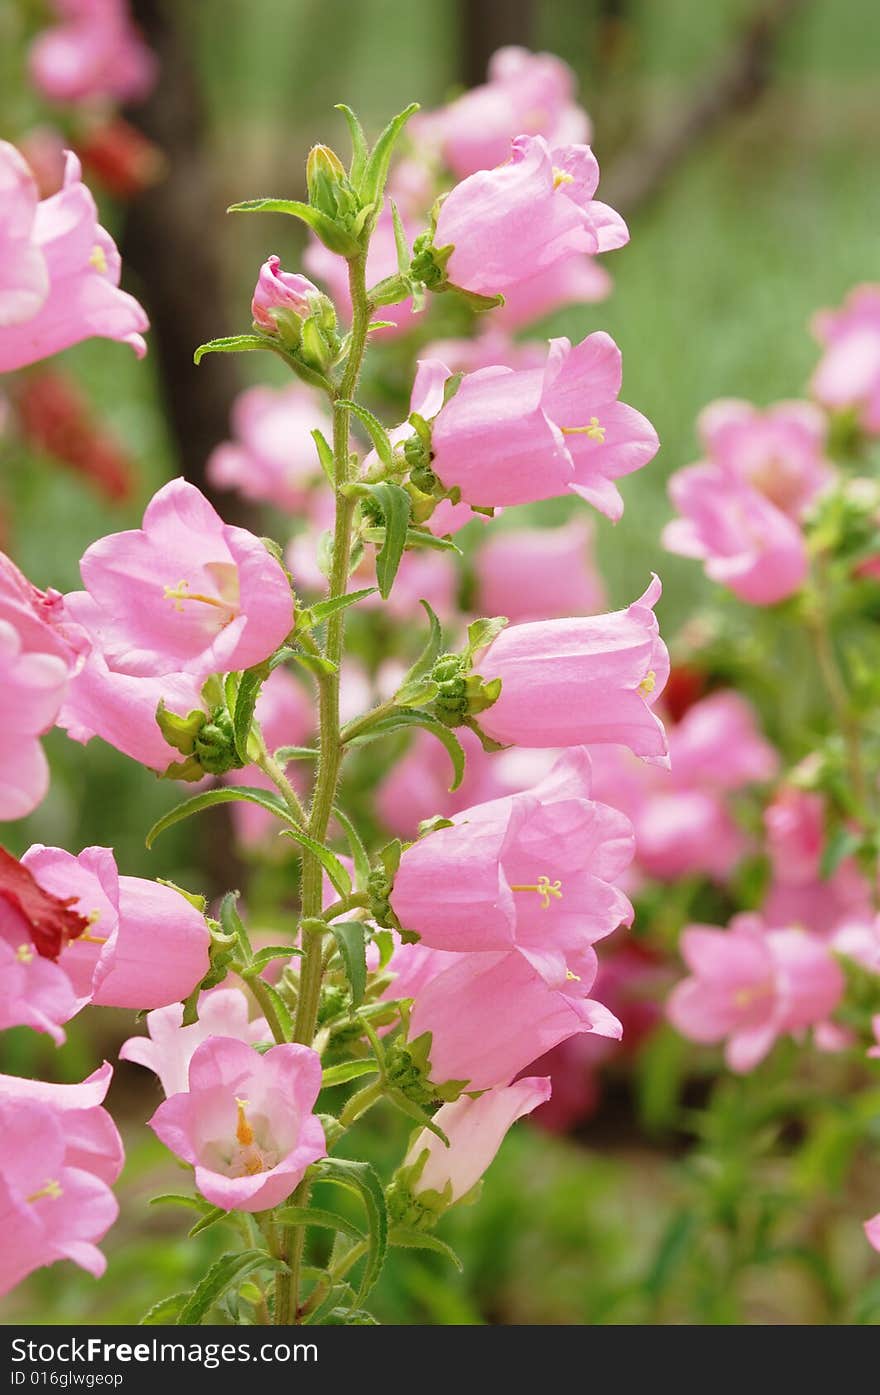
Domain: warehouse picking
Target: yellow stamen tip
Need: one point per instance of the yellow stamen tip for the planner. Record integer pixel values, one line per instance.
(52, 1190)
(561, 177)
(648, 683)
(24, 954)
(544, 888)
(98, 260)
(243, 1131)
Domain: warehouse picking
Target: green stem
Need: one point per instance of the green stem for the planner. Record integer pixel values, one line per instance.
(357, 900)
(361, 1102)
(369, 719)
(329, 744)
(838, 693)
(270, 767)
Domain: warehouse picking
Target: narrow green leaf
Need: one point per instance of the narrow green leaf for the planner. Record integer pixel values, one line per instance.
(359, 151)
(372, 186)
(377, 433)
(394, 503)
(349, 937)
(220, 1278)
(235, 344)
(210, 1218)
(359, 853)
(412, 1111)
(431, 652)
(165, 1311)
(331, 233)
(361, 1179)
(345, 1071)
(324, 609)
(232, 923)
(286, 753)
(265, 798)
(281, 1010)
(404, 1238)
(313, 1215)
(404, 256)
(325, 456)
(267, 955)
(195, 1203)
(252, 681)
(415, 537)
(415, 717)
(315, 663)
(842, 843)
(328, 860)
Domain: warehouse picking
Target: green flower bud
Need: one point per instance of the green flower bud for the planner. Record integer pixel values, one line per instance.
(215, 745)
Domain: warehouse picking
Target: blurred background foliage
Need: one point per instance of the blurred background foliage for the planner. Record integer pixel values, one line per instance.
(773, 215)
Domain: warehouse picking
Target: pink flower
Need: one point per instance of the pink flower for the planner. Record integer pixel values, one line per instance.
(531, 92)
(280, 290)
(558, 564)
(752, 985)
(381, 262)
(489, 1015)
(59, 1152)
(779, 451)
(35, 665)
(169, 1047)
(532, 871)
(799, 895)
(476, 1129)
(581, 681)
(272, 458)
(488, 349)
(417, 786)
(745, 541)
(872, 1231)
(34, 992)
(146, 945)
(118, 707)
(718, 745)
(95, 53)
(848, 374)
(245, 1122)
(576, 280)
(187, 592)
(509, 223)
(515, 437)
(62, 283)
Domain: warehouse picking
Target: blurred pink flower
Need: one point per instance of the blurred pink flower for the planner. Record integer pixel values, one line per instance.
(95, 53)
(530, 93)
(848, 374)
(61, 269)
(576, 280)
(556, 565)
(245, 1122)
(272, 458)
(799, 895)
(581, 681)
(169, 1047)
(779, 451)
(509, 223)
(751, 985)
(491, 347)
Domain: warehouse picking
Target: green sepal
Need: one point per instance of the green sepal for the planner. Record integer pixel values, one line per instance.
(331, 233)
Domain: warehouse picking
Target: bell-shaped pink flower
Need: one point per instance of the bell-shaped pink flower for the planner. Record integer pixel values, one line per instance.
(59, 1153)
(490, 1015)
(35, 665)
(24, 275)
(186, 592)
(118, 707)
(95, 53)
(280, 290)
(146, 945)
(245, 1122)
(581, 681)
(476, 1128)
(745, 541)
(750, 986)
(795, 827)
(34, 992)
(779, 451)
(533, 871)
(272, 458)
(531, 92)
(169, 1047)
(562, 576)
(76, 296)
(516, 437)
(848, 374)
(509, 223)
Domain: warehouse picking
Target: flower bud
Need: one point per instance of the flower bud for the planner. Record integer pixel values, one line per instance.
(329, 189)
(215, 744)
(281, 300)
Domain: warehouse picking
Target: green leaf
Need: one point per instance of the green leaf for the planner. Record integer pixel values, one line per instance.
(323, 609)
(358, 851)
(267, 955)
(252, 681)
(164, 1312)
(331, 233)
(425, 662)
(359, 151)
(232, 923)
(236, 344)
(281, 1010)
(345, 1071)
(210, 1218)
(361, 1179)
(286, 753)
(227, 795)
(406, 1239)
(415, 717)
(394, 503)
(220, 1278)
(315, 663)
(842, 843)
(349, 937)
(325, 457)
(328, 860)
(313, 1215)
(482, 632)
(412, 1111)
(377, 433)
(404, 256)
(416, 537)
(195, 1203)
(372, 186)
